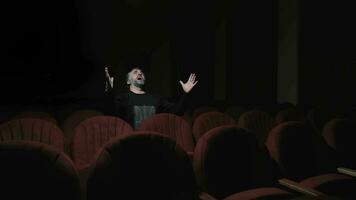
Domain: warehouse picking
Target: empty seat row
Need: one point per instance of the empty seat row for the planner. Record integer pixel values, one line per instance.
(153, 166)
(34, 170)
(92, 133)
(303, 157)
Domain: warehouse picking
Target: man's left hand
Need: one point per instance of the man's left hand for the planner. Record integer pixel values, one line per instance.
(188, 86)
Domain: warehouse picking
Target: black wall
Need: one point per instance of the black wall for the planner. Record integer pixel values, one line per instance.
(252, 48)
(40, 50)
(327, 47)
(58, 49)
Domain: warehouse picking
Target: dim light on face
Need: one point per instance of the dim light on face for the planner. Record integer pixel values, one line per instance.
(136, 77)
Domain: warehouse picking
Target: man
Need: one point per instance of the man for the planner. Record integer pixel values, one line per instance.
(137, 104)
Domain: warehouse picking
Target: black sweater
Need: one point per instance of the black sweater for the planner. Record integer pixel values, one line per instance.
(134, 108)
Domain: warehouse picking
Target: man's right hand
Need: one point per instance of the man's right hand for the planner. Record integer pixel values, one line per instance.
(109, 80)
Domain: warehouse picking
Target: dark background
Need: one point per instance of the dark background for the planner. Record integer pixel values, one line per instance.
(56, 51)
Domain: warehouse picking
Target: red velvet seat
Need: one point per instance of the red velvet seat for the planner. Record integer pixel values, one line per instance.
(340, 135)
(319, 116)
(208, 121)
(235, 111)
(172, 125)
(36, 114)
(290, 114)
(91, 134)
(33, 170)
(75, 118)
(33, 129)
(142, 166)
(226, 161)
(294, 146)
(337, 185)
(309, 197)
(187, 116)
(201, 110)
(268, 193)
(259, 122)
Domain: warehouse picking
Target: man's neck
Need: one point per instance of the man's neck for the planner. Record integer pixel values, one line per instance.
(136, 90)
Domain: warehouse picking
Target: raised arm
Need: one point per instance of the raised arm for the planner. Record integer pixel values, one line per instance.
(188, 86)
(109, 84)
(179, 106)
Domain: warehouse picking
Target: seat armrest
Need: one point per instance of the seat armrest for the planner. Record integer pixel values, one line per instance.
(299, 188)
(347, 171)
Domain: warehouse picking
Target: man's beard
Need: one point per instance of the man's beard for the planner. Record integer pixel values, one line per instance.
(139, 83)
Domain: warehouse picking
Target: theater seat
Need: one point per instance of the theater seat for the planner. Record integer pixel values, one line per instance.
(75, 118)
(91, 134)
(259, 122)
(142, 166)
(188, 117)
(337, 185)
(235, 111)
(296, 149)
(226, 161)
(268, 193)
(287, 115)
(36, 114)
(201, 110)
(319, 116)
(340, 135)
(33, 170)
(210, 120)
(33, 129)
(172, 125)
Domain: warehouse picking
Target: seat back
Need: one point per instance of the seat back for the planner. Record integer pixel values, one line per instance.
(33, 129)
(340, 134)
(235, 112)
(91, 134)
(225, 161)
(203, 109)
(289, 114)
(259, 122)
(76, 118)
(142, 166)
(172, 125)
(266, 193)
(294, 147)
(36, 114)
(317, 117)
(210, 120)
(337, 185)
(33, 170)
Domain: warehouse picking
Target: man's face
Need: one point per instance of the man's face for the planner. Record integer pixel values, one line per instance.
(136, 77)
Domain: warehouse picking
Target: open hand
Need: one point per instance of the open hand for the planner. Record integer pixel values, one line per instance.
(109, 79)
(188, 86)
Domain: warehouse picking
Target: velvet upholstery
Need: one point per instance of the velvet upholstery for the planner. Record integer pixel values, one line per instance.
(225, 161)
(75, 118)
(91, 135)
(340, 135)
(210, 120)
(173, 125)
(289, 114)
(267, 193)
(294, 147)
(142, 166)
(33, 129)
(33, 170)
(337, 185)
(259, 122)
